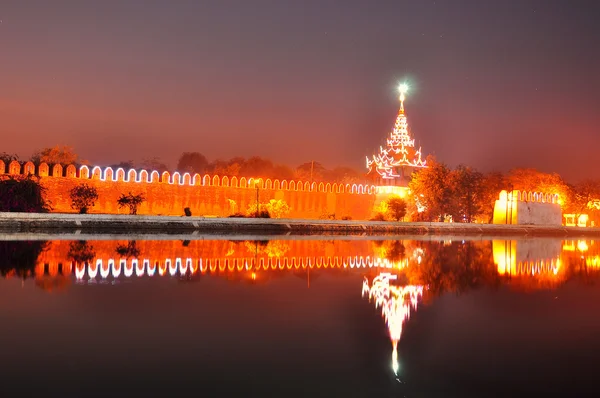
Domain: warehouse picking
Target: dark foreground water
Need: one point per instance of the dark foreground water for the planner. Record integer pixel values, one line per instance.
(300, 318)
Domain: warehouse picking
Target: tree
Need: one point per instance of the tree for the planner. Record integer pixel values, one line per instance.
(132, 201)
(20, 257)
(83, 197)
(467, 193)
(59, 154)
(493, 183)
(192, 162)
(81, 252)
(154, 164)
(582, 195)
(532, 180)
(8, 157)
(396, 208)
(129, 250)
(431, 190)
(311, 171)
(125, 165)
(23, 194)
(277, 208)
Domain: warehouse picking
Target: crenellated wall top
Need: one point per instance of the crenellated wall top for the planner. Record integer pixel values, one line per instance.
(529, 196)
(142, 176)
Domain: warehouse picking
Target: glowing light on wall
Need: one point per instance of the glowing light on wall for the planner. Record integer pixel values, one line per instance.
(104, 271)
(400, 150)
(396, 303)
(128, 268)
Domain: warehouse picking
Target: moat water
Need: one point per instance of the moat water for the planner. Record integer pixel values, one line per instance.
(309, 318)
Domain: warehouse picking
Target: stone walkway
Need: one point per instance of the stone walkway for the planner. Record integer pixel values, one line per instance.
(76, 224)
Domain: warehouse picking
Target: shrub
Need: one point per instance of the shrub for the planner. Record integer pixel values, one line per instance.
(277, 208)
(23, 194)
(83, 197)
(262, 213)
(346, 218)
(132, 201)
(129, 250)
(396, 208)
(237, 215)
(378, 217)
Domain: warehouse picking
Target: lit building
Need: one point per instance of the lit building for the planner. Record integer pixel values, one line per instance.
(395, 162)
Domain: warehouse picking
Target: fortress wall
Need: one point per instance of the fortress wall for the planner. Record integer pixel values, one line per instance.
(169, 194)
(527, 208)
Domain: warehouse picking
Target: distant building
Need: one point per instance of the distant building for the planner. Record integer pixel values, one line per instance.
(395, 162)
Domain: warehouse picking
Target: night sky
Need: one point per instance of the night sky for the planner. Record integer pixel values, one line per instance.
(495, 84)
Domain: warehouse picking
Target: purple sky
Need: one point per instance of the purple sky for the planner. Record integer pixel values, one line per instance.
(495, 84)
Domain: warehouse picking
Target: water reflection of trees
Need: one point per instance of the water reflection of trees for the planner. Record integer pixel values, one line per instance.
(443, 266)
(19, 258)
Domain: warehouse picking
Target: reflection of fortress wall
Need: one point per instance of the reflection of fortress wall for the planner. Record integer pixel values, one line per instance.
(527, 257)
(172, 257)
(169, 194)
(529, 208)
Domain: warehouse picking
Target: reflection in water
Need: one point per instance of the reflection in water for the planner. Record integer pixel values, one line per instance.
(397, 274)
(396, 303)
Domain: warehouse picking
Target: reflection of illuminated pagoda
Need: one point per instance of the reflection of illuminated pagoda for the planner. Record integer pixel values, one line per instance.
(394, 164)
(396, 303)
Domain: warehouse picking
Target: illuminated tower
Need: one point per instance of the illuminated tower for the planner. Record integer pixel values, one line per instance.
(394, 164)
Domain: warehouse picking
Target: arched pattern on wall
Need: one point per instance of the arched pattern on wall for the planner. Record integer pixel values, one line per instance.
(14, 167)
(176, 178)
(277, 185)
(269, 184)
(197, 179)
(321, 187)
(292, 185)
(234, 182)
(284, 185)
(215, 181)
(57, 170)
(96, 173)
(108, 174)
(328, 187)
(307, 186)
(165, 177)
(29, 168)
(154, 176)
(243, 182)
(44, 170)
(120, 175)
(206, 180)
(313, 187)
(132, 176)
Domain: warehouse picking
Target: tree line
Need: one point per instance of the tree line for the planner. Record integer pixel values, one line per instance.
(438, 193)
(196, 162)
(464, 194)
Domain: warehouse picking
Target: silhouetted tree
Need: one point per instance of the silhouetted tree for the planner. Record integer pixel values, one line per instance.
(81, 252)
(83, 197)
(8, 157)
(23, 194)
(192, 162)
(431, 189)
(128, 250)
(132, 201)
(154, 164)
(59, 154)
(20, 257)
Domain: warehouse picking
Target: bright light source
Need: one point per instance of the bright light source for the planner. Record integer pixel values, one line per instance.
(403, 88)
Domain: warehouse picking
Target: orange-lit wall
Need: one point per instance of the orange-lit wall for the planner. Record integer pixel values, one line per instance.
(205, 195)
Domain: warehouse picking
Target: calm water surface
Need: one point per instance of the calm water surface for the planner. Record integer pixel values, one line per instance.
(360, 318)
